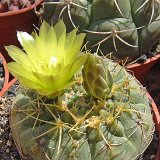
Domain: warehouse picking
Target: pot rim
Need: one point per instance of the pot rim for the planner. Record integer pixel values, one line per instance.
(6, 84)
(156, 117)
(135, 65)
(12, 13)
(6, 74)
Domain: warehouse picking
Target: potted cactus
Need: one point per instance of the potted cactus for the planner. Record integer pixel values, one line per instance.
(126, 29)
(16, 15)
(75, 105)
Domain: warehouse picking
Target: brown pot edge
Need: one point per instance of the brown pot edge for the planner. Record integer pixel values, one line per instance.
(11, 13)
(136, 65)
(156, 116)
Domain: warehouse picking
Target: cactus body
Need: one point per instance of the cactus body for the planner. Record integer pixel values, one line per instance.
(126, 28)
(82, 124)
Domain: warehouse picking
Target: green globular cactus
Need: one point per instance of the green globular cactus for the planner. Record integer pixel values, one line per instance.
(79, 126)
(125, 28)
(104, 114)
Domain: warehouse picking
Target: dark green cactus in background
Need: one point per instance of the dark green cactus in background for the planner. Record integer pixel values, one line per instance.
(125, 28)
(104, 116)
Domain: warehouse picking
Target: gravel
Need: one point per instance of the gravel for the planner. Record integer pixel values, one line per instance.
(8, 150)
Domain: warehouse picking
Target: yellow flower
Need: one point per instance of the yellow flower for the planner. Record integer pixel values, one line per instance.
(48, 61)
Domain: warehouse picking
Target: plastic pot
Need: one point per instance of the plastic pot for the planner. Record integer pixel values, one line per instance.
(156, 117)
(141, 69)
(7, 84)
(22, 20)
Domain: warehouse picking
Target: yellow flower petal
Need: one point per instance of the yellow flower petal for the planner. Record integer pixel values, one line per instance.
(18, 55)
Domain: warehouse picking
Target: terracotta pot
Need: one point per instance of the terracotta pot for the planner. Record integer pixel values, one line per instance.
(6, 84)
(156, 117)
(13, 21)
(140, 69)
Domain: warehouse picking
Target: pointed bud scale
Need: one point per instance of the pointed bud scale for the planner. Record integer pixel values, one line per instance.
(97, 78)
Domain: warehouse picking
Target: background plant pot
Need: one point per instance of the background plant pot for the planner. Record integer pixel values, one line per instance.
(6, 84)
(6, 73)
(141, 69)
(13, 21)
(156, 117)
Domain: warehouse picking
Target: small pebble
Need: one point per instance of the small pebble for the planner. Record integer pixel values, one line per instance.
(152, 157)
(8, 143)
(7, 150)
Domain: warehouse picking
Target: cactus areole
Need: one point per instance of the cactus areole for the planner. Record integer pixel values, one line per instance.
(69, 108)
(124, 28)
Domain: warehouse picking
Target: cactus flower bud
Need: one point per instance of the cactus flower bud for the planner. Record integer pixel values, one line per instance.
(97, 78)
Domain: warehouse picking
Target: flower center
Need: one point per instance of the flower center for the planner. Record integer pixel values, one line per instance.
(52, 62)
